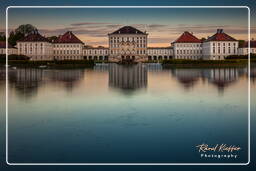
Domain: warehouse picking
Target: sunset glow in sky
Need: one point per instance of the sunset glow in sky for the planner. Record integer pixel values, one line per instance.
(164, 25)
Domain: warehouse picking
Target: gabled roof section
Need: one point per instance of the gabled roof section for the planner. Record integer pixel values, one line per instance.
(34, 37)
(68, 37)
(187, 37)
(220, 36)
(128, 30)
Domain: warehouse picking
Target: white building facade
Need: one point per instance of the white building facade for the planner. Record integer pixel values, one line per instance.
(187, 46)
(95, 53)
(219, 46)
(159, 53)
(68, 47)
(128, 43)
(36, 47)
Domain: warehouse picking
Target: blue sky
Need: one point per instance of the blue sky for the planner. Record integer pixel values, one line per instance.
(163, 25)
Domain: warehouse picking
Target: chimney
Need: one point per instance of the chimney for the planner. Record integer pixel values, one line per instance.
(219, 30)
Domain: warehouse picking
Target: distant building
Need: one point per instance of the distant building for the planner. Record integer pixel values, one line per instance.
(36, 47)
(187, 46)
(128, 43)
(160, 53)
(68, 47)
(243, 49)
(11, 49)
(220, 45)
(95, 53)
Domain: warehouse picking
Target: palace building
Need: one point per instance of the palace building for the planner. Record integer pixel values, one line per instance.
(187, 46)
(36, 47)
(129, 43)
(68, 47)
(220, 45)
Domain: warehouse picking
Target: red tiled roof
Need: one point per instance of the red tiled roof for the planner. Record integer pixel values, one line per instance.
(252, 44)
(128, 30)
(68, 37)
(187, 37)
(34, 37)
(3, 45)
(220, 36)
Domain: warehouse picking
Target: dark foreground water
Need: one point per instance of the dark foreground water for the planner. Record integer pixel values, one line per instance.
(118, 114)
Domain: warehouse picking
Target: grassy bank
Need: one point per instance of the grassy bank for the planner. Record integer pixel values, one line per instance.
(205, 63)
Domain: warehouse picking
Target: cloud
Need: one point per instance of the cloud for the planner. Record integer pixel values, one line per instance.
(88, 23)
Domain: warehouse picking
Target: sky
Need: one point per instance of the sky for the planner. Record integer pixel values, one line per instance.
(164, 25)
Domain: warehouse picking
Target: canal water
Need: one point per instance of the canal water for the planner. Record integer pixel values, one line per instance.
(125, 114)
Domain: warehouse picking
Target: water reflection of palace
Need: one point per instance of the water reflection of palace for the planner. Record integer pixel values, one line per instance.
(69, 77)
(128, 77)
(26, 80)
(187, 77)
(253, 74)
(222, 77)
(219, 77)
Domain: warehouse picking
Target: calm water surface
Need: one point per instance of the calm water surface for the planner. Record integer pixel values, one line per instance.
(116, 113)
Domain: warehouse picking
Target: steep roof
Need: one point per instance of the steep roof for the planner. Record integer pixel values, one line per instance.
(34, 37)
(187, 37)
(128, 30)
(252, 44)
(220, 36)
(3, 45)
(68, 37)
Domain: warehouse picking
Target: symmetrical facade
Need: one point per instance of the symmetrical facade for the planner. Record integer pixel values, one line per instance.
(220, 45)
(36, 47)
(187, 46)
(129, 43)
(68, 47)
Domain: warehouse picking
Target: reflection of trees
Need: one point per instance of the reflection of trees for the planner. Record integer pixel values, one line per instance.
(26, 81)
(69, 77)
(128, 77)
(187, 77)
